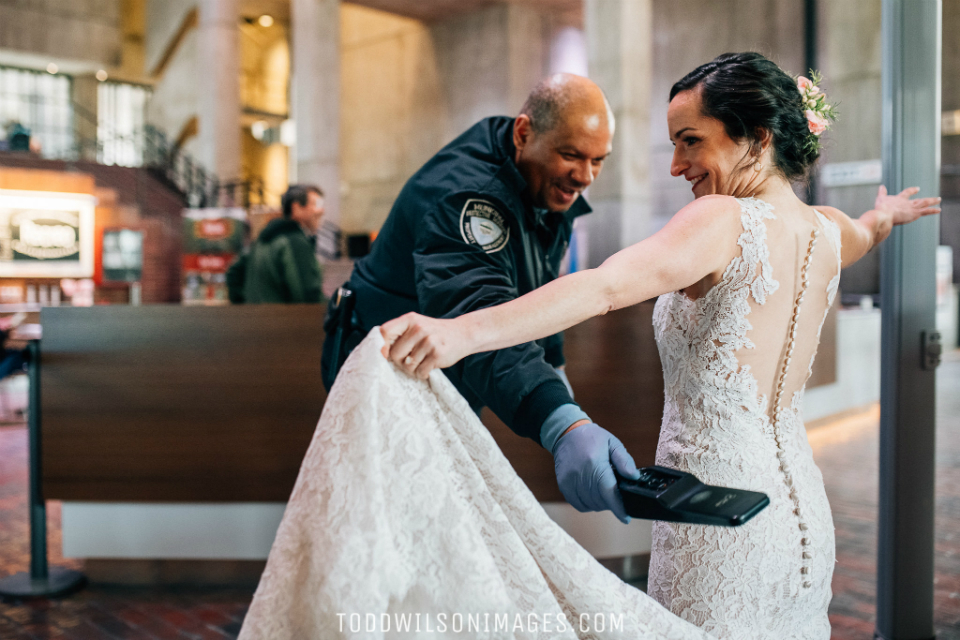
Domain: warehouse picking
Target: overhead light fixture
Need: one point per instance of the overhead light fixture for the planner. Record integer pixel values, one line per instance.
(288, 133)
(266, 20)
(52, 68)
(258, 128)
(102, 75)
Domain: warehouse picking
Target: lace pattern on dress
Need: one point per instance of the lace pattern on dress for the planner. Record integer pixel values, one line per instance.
(743, 582)
(406, 509)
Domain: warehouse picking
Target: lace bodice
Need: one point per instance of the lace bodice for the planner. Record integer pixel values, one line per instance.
(723, 358)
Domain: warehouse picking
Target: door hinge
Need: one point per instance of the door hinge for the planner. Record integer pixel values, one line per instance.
(931, 350)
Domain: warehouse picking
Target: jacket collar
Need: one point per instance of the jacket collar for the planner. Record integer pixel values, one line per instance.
(280, 227)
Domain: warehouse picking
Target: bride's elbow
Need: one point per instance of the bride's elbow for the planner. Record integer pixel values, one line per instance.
(611, 297)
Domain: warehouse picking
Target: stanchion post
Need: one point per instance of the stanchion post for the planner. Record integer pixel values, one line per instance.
(41, 581)
(38, 508)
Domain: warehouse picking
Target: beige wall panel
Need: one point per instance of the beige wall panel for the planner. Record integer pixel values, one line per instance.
(164, 18)
(63, 29)
(386, 65)
(175, 98)
(373, 79)
(409, 88)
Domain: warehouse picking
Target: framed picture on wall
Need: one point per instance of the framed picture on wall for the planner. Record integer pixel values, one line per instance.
(46, 234)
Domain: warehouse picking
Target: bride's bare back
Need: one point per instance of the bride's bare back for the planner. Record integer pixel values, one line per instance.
(791, 242)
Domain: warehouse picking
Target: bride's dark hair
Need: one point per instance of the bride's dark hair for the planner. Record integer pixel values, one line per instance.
(747, 92)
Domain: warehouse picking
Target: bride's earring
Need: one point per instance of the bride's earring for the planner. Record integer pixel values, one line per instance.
(757, 166)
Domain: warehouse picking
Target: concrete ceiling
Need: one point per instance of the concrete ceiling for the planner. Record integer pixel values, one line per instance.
(431, 10)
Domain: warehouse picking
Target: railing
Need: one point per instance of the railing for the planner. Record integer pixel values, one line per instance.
(150, 148)
(201, 188)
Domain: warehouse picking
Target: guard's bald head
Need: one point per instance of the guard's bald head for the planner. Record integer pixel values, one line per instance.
(563, 135)
(565, 96)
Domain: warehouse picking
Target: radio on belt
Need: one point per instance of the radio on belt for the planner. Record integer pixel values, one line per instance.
(676, 496)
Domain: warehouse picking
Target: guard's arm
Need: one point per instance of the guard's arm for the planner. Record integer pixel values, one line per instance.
(456, 275)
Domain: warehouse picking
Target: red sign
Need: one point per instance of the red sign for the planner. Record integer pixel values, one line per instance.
(213, 229)
(207, 262)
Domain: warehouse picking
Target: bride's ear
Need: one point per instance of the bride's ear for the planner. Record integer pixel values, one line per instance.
(764, 140)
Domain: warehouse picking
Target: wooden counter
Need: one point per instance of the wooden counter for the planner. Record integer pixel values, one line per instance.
(218, 404)
(172, 403)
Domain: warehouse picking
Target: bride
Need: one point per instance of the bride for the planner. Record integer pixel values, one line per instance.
(406, 519)
(746, 274)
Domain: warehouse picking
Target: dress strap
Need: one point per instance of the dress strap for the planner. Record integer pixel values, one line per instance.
(754, 249)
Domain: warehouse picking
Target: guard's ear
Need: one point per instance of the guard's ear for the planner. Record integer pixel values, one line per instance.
(522, 131)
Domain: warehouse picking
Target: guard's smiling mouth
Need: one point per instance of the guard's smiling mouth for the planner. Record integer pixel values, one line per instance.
(696, 180)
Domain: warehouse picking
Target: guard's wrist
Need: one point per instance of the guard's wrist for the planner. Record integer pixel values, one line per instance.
(578, 423)
(559, 422)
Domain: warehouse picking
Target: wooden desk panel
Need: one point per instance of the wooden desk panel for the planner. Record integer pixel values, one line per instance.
(194, 404)
(171, 403)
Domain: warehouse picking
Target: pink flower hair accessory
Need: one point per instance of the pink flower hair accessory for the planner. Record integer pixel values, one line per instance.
(819, 113)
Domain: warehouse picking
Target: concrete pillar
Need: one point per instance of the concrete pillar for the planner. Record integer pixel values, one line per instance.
(315, 88)
(218, 88)
(620, 54)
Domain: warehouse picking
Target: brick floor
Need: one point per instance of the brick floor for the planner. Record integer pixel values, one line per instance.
(846, 451)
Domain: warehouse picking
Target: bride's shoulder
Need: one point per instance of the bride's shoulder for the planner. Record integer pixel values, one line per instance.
(831, 213)
(713, 210)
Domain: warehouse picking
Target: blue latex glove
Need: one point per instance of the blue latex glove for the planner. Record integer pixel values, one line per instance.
(584, 460)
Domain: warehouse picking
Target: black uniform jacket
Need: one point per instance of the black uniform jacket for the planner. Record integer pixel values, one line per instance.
(463, 236)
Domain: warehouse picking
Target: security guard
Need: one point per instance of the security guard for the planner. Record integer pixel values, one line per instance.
(485, 221)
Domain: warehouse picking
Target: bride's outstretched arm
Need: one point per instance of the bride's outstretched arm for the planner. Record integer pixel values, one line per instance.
(694, 244)
(863, 234)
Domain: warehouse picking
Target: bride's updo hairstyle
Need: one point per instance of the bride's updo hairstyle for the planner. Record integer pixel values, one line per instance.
(747, 93)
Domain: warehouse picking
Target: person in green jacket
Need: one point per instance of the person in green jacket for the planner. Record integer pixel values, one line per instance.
(282, 265)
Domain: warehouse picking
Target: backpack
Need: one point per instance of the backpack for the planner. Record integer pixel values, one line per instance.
(237, 278)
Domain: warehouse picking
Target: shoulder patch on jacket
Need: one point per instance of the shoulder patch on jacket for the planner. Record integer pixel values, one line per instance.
(481, 224)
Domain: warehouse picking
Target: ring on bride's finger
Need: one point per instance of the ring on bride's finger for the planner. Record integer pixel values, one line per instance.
(407, 360)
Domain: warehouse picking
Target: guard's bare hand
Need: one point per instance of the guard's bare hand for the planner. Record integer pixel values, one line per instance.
(418, 344)
(904, 209)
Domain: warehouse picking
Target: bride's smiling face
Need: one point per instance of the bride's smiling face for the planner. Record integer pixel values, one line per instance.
(703, 152)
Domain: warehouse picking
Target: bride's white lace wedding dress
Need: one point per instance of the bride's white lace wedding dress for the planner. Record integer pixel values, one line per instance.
(725, 356)
(407, 521)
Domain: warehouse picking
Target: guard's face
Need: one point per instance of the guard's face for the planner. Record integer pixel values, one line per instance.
(710, 160)
(559, 164)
